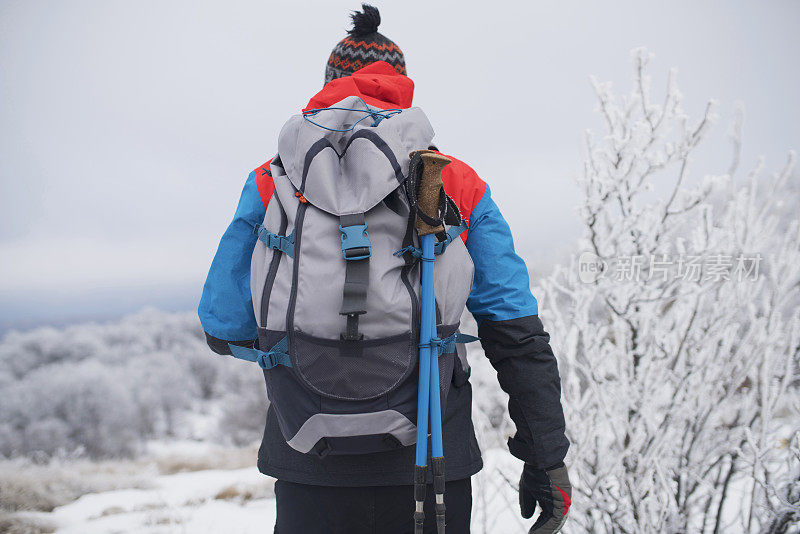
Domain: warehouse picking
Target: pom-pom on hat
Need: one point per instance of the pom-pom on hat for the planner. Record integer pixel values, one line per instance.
(362, 46)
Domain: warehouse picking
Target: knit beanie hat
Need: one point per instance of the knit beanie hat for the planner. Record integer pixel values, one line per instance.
(362, 46)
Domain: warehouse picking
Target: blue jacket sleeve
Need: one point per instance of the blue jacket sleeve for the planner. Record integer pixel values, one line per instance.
(514, 339)
(501, 287)
(226, 306)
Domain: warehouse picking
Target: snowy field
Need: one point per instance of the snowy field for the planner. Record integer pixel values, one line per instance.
(180, 486)
(237, 500)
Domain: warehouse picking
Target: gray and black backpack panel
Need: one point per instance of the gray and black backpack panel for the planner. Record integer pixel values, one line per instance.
(337, 306)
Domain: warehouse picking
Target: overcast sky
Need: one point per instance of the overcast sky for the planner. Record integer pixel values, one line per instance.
(128, 128)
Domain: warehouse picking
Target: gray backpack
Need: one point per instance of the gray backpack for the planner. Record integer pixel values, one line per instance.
(335, 281)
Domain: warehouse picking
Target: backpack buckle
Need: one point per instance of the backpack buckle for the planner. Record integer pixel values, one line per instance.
(355, 242)
(283, 243)
(267, 360)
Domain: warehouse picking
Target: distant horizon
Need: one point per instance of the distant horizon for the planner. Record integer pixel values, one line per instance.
(31, 311)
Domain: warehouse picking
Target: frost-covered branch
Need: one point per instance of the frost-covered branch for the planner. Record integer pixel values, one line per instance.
(678, 389)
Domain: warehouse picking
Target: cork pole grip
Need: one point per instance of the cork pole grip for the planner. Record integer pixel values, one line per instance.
(430, 188)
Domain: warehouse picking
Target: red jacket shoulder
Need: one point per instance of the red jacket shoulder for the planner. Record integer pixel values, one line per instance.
(463, 185)
(266, 187)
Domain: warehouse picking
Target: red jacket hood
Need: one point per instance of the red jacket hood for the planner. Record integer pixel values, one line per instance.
(378, 84)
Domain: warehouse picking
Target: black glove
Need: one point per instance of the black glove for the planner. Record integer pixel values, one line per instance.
(549, 488)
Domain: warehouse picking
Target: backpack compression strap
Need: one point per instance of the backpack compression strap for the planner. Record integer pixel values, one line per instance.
(439, 247)
(277, 355)
(356, 250)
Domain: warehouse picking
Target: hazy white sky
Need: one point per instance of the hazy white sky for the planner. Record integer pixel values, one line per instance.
(128, 128)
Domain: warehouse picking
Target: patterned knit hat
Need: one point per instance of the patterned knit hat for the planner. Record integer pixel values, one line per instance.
(362, 46)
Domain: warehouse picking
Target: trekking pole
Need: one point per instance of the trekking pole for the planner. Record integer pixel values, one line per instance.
(429, 394)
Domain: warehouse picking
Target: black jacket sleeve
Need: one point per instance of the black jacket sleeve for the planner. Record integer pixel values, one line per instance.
(220, 346)
(527, 370)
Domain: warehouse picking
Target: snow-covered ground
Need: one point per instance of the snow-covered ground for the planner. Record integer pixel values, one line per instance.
(236, 500)
(179, 486)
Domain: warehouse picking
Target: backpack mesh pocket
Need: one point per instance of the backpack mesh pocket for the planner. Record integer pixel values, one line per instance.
(352, 370)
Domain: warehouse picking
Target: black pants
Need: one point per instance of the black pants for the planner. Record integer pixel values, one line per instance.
(306, 509)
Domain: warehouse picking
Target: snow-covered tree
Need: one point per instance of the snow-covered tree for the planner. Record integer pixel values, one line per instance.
(104, 389)
(678, 330)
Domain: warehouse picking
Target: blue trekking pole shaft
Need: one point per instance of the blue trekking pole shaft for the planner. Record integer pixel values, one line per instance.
(437, 449)
(425, 352)
(425, 357)
(429, 318)
(430, 188)
(424, 376)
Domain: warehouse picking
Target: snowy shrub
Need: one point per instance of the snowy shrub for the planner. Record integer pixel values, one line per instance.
(678, 331)
(68, 406)
(163, 388)
(244, 409)
(103, 389)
